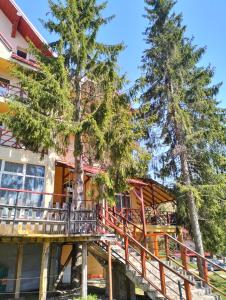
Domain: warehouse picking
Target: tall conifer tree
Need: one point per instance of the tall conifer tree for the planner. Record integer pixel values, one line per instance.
(76, 94)
(179, 95)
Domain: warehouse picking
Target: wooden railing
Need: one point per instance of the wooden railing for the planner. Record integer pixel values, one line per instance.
(148, 262)
(8, 90)
(179, 255)
(152, 217)
(7, 139)
(42, 213)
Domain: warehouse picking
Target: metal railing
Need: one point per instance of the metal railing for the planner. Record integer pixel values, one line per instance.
(45, 213)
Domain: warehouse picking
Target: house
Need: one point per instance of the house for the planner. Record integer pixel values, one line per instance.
(39, 225)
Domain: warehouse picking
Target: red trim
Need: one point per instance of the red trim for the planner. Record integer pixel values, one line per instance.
(5, 42)
(23, 60)
(137, 182)
(25, 28)
(87, 168)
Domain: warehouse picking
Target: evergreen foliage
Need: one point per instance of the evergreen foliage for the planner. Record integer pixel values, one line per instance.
(189, 126)
(75, 93)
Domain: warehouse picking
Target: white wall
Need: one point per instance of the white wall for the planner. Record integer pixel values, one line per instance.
(6, 30)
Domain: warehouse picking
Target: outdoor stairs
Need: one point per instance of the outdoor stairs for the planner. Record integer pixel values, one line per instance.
(151, 284)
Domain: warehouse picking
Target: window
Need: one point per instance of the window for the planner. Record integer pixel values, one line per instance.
(122, 200)
(21, 176)
(22, 53)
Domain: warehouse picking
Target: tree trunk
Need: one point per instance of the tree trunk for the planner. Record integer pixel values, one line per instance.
(193, 213)
(78, 194)
(183, 155)
(76, 266)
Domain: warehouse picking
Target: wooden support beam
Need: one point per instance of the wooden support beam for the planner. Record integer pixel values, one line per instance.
(110, 272)
(19, 263)
(84, 270)
(15, 25)
(44, 271)
(62, 270)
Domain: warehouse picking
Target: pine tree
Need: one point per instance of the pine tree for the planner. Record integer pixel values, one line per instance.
(178, 94)
(75, 94)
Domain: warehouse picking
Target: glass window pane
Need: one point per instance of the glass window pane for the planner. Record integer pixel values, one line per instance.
(12, 181)
(118, 199)
(35, 185)
(13, 167)
(0, 164)
(34, 170)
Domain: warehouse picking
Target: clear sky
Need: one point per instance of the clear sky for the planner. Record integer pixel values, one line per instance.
(205, 20)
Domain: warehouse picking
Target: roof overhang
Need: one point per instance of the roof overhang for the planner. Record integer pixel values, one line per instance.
(21, 23)
(154, 193)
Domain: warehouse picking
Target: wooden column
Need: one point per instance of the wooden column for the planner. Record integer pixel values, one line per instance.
(19, 263)
(156, 244)
(44, 271)
(84, 270)
(110, 272)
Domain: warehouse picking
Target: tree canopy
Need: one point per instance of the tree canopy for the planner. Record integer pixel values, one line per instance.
(189, 126)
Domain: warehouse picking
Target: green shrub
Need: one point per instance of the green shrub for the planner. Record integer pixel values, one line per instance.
(90, 297)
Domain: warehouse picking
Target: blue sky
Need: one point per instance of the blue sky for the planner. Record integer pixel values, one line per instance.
(205, 20)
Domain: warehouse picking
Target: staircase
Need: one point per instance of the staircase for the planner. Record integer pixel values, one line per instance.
(158, 278)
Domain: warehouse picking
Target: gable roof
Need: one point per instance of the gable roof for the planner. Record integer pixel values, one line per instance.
(21, 23)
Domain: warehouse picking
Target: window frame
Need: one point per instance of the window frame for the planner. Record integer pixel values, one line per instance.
(23, 173)
(121, 196)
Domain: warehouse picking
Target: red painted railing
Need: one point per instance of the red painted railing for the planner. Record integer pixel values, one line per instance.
(152, 217)
(47, 213)
(8, 90)
(147, 261)
(169, 248)
(7, 139)
(179, 255)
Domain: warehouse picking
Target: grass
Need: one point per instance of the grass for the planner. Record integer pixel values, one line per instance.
(219, 282)
(90, 297)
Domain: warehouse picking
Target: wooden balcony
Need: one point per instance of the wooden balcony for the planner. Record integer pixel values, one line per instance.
(152, 217)
(35, 214)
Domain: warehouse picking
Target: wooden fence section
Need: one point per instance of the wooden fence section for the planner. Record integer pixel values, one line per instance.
(59, 217)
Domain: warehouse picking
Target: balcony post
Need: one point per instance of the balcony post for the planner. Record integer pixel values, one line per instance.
(19, 263)
(110, 272)
(44, 271)
(84, 270)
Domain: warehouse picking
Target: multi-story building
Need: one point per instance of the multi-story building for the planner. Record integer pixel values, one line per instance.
(39, 225)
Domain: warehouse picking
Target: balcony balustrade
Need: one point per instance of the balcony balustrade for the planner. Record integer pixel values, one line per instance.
(25, 212)
(152, 217)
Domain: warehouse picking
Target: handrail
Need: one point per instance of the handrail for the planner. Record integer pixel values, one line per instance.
(196, 253)
(127, 221)
(204, 259)
(141, 273)
(144, 251)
